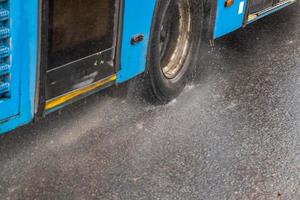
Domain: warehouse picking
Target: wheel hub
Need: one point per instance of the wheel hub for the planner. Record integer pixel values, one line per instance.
(175, 37)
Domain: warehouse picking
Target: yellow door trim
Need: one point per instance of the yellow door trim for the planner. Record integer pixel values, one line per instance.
(71, 95)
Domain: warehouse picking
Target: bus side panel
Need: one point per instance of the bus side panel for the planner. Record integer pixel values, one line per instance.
(137, 21)
(24, 20)
(229, 19)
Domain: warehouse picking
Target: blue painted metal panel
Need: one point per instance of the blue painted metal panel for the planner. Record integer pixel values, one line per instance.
(137, 20)
(24, 57)
(9, 80)
(229, 19)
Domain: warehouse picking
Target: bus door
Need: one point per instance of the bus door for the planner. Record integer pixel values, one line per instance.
(260, 8)
(259, 5)
(9, 71)
(80, 46)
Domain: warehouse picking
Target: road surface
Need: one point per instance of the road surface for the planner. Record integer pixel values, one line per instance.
(232, 134)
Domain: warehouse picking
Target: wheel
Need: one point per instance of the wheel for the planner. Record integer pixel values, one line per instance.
(174, 44)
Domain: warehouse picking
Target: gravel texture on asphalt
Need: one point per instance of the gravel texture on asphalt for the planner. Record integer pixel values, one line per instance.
(232, 134)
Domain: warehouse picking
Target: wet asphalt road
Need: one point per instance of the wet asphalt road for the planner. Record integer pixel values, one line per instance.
(233, 134)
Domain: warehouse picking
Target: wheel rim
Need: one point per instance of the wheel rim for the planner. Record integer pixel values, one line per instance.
(175, 38)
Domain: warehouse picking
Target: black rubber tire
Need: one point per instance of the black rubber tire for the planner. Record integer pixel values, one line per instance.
(162, 89)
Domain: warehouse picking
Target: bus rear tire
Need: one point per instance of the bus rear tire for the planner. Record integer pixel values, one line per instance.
(174, 45)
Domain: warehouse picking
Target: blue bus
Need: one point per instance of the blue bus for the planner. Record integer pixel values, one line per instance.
(55, 52)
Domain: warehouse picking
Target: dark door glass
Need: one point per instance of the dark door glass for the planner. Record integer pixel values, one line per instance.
(79, 28)
(259, 5)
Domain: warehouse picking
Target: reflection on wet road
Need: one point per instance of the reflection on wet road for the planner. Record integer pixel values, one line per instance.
(232, 134)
